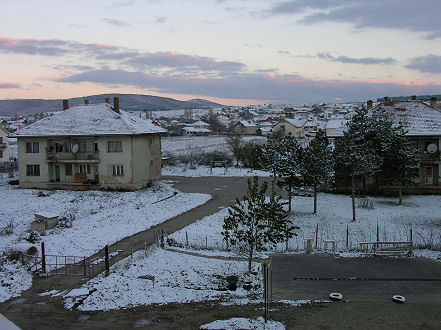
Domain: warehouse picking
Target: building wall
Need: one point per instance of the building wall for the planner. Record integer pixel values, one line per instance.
(140, 158)
(4, 150)
(285, 128)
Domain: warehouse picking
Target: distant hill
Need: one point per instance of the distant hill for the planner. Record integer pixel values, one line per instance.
(128, 102)
(408, 98)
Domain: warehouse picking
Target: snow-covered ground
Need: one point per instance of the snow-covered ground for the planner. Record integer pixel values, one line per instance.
(162, 277)
(200, 171)
(101, 218)
(421, 213)
(181, 144)
(242, 323)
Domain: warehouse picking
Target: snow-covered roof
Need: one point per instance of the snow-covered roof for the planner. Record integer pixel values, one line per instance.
(199, 123)
(94, 119)
(296, 122)
(247, 124)
(333, 124)
(416, 117)
(196, 129)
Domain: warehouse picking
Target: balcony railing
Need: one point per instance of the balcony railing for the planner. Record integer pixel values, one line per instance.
(66, 156)
(429, 157)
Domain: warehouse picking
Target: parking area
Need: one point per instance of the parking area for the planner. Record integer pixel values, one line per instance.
(305, 276)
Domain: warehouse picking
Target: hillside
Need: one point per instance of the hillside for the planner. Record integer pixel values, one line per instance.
(129, 102)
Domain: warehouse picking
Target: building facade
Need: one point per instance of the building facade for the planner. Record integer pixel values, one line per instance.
(89, 147)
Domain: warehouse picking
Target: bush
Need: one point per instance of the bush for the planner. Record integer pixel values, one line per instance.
(365, 203)
(252, 155)
(215, 156)
(65, 220)
(8, 229)
(33, 237)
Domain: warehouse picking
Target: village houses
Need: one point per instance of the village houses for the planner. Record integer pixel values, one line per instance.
(89, 147)
(4, 145)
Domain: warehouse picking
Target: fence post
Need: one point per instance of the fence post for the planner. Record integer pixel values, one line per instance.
(287, 237)
(378, 233)
(106, 258)
(131, 251)
(316, 236)
(145, 248)
(43, 258)
(186, 238)
(347, 237)
(206, 242)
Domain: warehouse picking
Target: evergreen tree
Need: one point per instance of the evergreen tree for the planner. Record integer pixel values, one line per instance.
(356, 153)
(400, 161)
(289, 164)
(253, 222)
(317, 164)
(271, 155)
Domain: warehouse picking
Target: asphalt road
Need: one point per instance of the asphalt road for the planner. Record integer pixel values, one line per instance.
(305, 276)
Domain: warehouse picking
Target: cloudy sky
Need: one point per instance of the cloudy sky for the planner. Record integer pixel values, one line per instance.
(230, 51)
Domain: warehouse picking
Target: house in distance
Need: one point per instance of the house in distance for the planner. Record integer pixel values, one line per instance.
(89, 146)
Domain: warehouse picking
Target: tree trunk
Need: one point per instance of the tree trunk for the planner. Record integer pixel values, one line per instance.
(274, 181)
(353, 197)
(289, 196)
(400, 195)
(250, 257)
(315, 200)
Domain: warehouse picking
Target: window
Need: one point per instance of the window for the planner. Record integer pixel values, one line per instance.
(96, 147)
(85, 168)
(117, 170)
(1, 139)
(59, 147)
(32, 170)
(114, 146)
(1, 153)
(32, 147)
(82, 146)
(68, 169)
(67, 147)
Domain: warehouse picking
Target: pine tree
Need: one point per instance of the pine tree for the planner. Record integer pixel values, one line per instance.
(271, 155)
(356, 153)
(400, 161)
(254, 222)
(317, 164)
(289, 164)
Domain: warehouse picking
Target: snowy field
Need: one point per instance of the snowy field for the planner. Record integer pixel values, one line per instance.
(242, 323)
(181, 144)
(334, 215)
(201, 171)
(162, 277)
(100, 218)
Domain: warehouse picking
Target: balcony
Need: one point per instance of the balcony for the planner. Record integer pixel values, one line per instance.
(3, 146)
(426, 157)
(70, 157)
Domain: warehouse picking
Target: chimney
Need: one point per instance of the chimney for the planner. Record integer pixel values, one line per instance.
(116, 104)
(86, 102)
(413, 97)
(433, 102)
(65, 104)
(107, 100)
(386, 99)
(369, 104)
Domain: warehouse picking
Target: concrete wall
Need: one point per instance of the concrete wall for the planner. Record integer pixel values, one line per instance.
(5, 151)
(285, 128)
(140, 158)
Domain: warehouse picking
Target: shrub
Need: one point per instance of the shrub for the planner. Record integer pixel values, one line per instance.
(365, 203)
(8, 229)
(65, 220)
(33, 237)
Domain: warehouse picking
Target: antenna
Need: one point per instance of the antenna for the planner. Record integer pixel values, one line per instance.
(75, 148)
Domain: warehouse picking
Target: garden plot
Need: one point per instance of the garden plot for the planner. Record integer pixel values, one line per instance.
(99, 218)
(161, 277)
(421, 213)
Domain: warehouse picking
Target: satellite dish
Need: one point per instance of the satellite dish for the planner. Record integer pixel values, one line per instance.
(75, 148)
(432, 148)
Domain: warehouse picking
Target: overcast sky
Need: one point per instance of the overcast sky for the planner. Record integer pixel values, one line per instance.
(233, 52)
